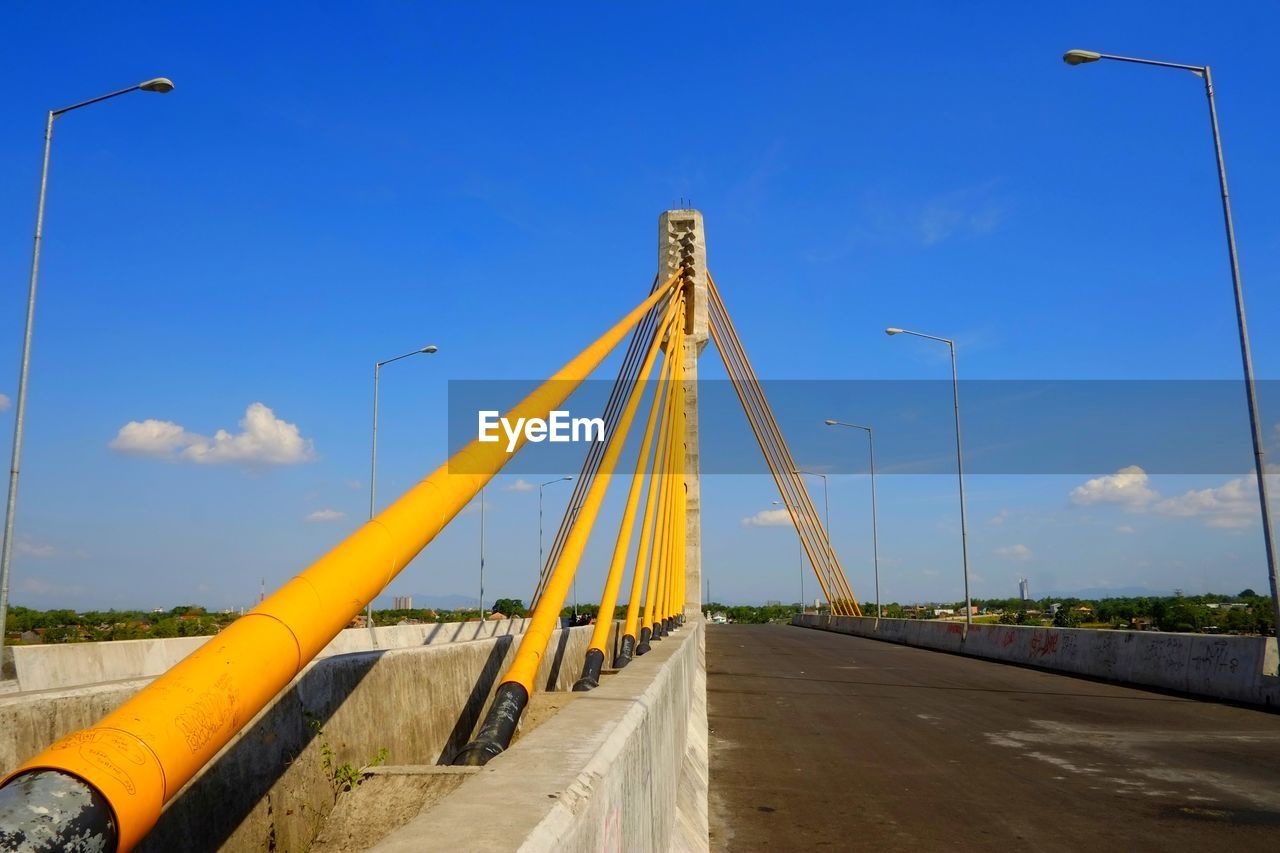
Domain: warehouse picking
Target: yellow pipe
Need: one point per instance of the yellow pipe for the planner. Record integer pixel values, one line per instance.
(659, 531)
(630, 627)
(604, 619)
(139, 755)
(682, 514)
(533, 645)
(676, 521)
(662, 480)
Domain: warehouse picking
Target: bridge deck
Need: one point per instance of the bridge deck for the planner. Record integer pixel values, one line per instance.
(821, 739)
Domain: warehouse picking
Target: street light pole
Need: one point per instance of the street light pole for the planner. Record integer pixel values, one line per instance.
(373, 455)
(160, 85)
(1080, 57)
(542, 486)
(801, 544)
(964, 527)
(875, 538)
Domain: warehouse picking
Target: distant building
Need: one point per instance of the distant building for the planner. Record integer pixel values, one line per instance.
(1024, 589)
(402, 602)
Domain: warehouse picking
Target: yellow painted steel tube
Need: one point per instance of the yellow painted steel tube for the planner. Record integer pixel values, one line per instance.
(679, 566)
(630, 626)
(609, 599)
(679, 519)
(139, 755)
(675, 521)
(533, 645)
(660, 523)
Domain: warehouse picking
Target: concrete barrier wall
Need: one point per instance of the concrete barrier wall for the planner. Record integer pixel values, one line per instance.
(1238, 669)
(58, 665)
(269, 789)
(623, 767)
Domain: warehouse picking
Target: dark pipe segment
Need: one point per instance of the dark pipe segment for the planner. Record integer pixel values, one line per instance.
(590, 671)
(627, 652)
(643, 647)
(48, 810)
(499, 726)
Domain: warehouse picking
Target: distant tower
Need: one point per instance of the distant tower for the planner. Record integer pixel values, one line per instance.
(1024, 589)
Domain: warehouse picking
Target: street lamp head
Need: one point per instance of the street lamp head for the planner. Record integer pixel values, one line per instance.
(430, 349)
(162, 85)
(566, 478)
(830, 422)
(892, 331)
(1080, 57)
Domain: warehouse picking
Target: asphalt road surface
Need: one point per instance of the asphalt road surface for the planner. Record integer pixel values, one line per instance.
(822, 740)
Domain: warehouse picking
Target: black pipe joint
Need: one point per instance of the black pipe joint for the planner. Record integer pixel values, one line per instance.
(643, 647)
(499, 726)
(45, 810)
(627, 652)
(591, 667)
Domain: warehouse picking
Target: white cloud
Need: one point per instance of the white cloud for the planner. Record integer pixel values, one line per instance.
(1125, 529)
(1232, 505)
(1014, 552)
(520, 486)
(4, 403)
(264, 439)
(1126, 487)
(999, 518)
(321, 516)
(780, 517)
(24, 548)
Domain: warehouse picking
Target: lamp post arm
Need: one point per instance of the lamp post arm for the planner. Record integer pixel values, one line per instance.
(108, 96)
(1196, 69)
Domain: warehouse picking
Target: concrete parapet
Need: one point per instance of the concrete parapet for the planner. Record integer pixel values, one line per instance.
(1237, 669)
(60, 665)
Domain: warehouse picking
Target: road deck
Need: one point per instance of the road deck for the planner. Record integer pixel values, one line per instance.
(822, 740)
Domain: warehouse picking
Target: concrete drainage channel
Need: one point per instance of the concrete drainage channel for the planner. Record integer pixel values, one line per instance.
(622, 767)
(577, 778)
(387, 797)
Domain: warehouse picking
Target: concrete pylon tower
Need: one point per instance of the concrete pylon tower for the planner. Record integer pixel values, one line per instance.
(682, 242)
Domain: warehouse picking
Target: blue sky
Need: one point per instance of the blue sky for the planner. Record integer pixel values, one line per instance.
(329, 188)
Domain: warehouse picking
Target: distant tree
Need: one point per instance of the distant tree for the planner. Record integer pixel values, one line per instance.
(166, 627)
(1064, 618)
(1247, 593)
(510, 607)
